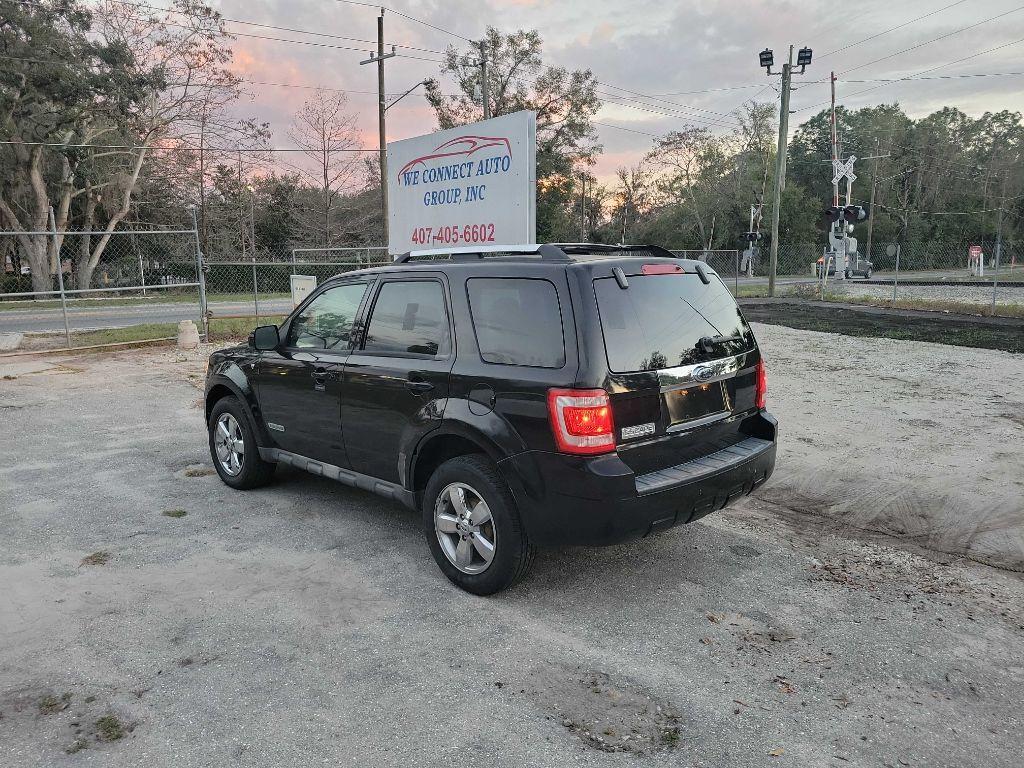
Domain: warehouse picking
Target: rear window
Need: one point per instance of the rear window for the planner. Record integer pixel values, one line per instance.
(517, 321)
(658, 321)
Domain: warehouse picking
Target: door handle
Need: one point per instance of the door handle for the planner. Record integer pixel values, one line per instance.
(417, 385)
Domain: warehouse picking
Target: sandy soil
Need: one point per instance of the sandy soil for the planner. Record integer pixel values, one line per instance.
(149, 615)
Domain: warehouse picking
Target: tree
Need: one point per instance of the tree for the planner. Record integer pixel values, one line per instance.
(565, 103)
(60, 87)
(326, 133)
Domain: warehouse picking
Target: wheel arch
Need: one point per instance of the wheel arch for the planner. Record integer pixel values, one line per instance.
(222, 387)
(442, 444)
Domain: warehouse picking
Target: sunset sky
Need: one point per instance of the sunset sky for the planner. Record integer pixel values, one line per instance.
(695, 61)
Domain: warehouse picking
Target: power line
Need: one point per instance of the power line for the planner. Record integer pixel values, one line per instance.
(922, 72)
(266, 26)
(934, 39)
(891, 29)
(671, 103)
(169, 149)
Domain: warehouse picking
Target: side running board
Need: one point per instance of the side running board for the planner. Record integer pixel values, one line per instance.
(388, 490)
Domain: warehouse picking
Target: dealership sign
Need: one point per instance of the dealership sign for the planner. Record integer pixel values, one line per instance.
(471, 185)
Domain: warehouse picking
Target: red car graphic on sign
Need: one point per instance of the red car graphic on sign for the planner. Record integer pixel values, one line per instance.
(462, 146)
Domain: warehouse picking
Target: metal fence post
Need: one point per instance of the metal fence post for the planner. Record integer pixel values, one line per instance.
(142, 271)
(201, 276)
(255, 290)
(736, 275)
(60, 279)
(896, 277)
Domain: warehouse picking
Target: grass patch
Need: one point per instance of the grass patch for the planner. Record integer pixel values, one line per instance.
(49, 704)
(851, 321)
(221, 329)
(933, 305)
(77, 746)
(670, 737)
(97, 558)
(175, 513)
(109, 728)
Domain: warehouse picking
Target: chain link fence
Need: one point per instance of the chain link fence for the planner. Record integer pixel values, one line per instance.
(90, 288)
(136, 284)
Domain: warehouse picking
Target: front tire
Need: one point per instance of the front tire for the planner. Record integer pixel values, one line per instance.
(473, 527)
(233, 448)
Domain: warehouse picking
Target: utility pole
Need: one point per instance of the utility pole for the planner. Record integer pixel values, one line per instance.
(999, 243)
(871, 201)
(381, 108)
(483, 80)
(767, 60)
(583, 209)
(780, 171)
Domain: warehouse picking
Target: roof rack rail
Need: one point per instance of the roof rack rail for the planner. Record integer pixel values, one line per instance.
(561, 252)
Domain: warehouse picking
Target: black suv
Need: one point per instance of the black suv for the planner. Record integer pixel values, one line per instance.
(566, 394)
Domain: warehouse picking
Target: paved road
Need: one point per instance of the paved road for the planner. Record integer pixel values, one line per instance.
(88, 316)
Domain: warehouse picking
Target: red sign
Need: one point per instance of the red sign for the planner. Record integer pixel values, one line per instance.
(974, 251)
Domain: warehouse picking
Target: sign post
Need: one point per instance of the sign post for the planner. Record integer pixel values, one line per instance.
(471, 185)
(975, 261)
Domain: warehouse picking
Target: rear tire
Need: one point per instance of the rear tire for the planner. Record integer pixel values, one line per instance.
(473, 527)
(229, 429)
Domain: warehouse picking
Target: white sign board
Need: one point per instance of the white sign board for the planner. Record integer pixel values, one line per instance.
(471, 185)
(302, 286)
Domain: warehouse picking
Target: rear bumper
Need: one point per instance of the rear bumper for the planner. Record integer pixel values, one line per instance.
(599, 500)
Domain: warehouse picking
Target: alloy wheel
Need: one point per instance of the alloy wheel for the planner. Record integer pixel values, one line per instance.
(229, 444)
(465, 529)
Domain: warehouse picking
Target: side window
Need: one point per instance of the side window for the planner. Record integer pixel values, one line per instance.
(326, 322)
(409, 317)
(517, 321)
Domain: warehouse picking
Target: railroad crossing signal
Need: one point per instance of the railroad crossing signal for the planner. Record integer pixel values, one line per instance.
(841, 169)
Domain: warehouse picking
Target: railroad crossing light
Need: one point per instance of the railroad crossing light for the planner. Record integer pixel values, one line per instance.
(831, 215)
(752, 237)
(767, 58)
(803, 57)
(855, 213)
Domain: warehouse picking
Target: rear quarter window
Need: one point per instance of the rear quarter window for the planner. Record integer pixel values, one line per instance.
(517, 321)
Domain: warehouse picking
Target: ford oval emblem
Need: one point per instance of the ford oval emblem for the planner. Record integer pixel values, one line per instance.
(703, 373)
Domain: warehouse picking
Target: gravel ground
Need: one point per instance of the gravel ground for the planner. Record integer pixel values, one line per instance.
(307, 624)
(970, 294)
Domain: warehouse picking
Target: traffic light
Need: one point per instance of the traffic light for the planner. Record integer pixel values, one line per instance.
(830, 216)
(855, 213)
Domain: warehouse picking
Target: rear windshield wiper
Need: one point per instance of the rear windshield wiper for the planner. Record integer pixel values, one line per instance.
(706, 344)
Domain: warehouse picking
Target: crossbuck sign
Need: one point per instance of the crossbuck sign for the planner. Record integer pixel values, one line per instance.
(841, 169)
(471, 185)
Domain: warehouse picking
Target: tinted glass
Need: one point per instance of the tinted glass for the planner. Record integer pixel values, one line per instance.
(409, 317)
(517, 321)
(326, 322)
(658, 321)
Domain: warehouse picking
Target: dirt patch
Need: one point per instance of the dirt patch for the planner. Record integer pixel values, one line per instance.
(96, 558)
(944, 328)
(175, 513)
(610, 714)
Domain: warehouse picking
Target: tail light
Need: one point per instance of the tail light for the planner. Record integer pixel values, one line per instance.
(761, 388)
(581, 420)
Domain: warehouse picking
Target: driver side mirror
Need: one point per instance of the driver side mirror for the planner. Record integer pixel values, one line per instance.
(265, 338)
